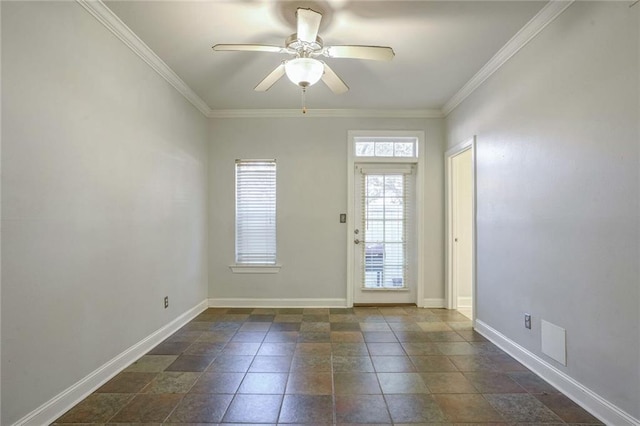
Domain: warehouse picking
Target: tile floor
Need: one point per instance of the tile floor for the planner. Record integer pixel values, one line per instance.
(400, 365)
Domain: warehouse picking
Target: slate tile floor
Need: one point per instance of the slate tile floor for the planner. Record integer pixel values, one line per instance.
(388, 365)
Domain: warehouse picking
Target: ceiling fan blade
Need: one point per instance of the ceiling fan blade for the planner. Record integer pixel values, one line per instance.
(308, 24)
(270, 80)
(249, 48)
(332, 80)
(376, 53)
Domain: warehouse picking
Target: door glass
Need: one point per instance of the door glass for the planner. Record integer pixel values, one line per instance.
(384, 231)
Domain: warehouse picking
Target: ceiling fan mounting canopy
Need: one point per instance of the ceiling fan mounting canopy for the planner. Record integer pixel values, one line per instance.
(304, 69)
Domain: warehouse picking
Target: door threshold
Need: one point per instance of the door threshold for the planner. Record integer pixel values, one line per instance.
(382, 305)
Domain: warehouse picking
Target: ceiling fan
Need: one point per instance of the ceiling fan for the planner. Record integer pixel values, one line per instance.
(305, 69)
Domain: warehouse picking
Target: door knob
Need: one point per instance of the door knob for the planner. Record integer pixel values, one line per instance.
(357, 241)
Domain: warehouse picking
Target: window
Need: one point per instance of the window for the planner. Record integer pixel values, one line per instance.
(255, 214)
(403, 147)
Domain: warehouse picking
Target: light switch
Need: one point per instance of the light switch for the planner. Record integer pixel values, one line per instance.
(343, 218)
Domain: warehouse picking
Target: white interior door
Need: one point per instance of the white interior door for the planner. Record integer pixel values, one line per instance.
(462, 229)
(384, 240)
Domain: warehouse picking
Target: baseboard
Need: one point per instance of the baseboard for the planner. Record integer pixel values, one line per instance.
(61, 403)
(464, 302)
(433, 303)
(589, 400)
(277, 303)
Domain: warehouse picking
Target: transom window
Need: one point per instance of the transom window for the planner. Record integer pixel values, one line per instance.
(389, 147)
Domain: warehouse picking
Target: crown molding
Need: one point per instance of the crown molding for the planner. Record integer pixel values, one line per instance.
(543, 18)
(322, 113)
(109, 19)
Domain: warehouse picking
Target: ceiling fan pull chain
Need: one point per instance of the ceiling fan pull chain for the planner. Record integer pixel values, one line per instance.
(304, 101)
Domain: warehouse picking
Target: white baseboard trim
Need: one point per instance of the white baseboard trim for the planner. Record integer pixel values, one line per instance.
(61, 403)
(433, 303)
(464, 302)
(589, 400)
(277, 303)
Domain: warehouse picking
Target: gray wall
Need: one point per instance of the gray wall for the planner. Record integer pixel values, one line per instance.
(103, 201)
(312, 192)
(558, 192)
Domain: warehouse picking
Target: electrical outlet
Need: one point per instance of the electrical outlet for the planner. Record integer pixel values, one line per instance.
(166, 302)
(527, 321)
(343, 218)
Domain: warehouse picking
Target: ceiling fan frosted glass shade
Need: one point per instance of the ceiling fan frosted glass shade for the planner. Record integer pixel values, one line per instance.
(304, 71)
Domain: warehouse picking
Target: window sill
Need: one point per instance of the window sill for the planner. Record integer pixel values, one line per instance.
(385, 289)
(255, 269)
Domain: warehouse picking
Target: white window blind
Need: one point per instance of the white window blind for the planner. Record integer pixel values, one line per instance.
(387, 225)
(256, 212)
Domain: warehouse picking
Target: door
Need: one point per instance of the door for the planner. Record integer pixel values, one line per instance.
(462, 231)
(383, 241)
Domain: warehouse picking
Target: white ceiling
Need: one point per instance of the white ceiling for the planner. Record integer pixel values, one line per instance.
(439, 46)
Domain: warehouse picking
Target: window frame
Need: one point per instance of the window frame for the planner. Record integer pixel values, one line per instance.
(254, 268)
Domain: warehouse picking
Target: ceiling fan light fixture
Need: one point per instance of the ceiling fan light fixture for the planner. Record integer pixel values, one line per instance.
(304, 72)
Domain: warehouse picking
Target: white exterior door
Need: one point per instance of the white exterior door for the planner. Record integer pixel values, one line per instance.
(384, 240)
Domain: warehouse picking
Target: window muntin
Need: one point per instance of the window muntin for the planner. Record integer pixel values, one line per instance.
(255, 212)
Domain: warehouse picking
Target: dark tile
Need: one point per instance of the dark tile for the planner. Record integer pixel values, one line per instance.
(566, 409)
(361, 409)
(290, 311)
(394, 383)
(531, 382)
(355, 383)
(310, 383)
(341, 311)
(315, 318)
(261, 318)
(444, 336)
(217, 383)
(151, 363)
(522, 408)
(451, 382)
(316, 409)
(421, 348)
(457, 348)
(412, 336)
(392, 364)
(270, 364)
(172, 382)
(466, 408)
(216, 337)
(379, 337)
(249, 337)
(204, 348)
(474, 363)
(96, 408)
(169, 348)
(414, 409)
(471, 336)
(249, 327)
(315, 327)
(127, 382)
(385, 349)
(231, 363)
(184, 336)
(264, 383)
(227, 325)
(314, 363)
(346, 337)
(200, 408)
(240, 310)
(277, 349)
(148, 408)
(311, 337)
(490, 382)
(345, 326)
(241, 348)
(281, 337)
(349, 349)
(285, 326)
(432, 363)
(352, 364)
(190, 363)
(253, 409)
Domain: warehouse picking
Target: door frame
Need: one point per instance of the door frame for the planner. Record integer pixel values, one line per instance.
(419, 188)
(450, 290)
